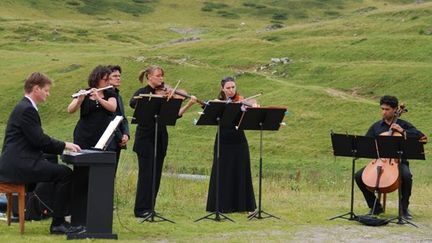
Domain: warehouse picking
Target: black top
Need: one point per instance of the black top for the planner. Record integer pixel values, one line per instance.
(93, 121)
(381, 126)
(144, 90)
(144, 134)
(24, 144)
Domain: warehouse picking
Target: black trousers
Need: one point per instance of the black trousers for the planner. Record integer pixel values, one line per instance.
(406, 187)
(61, 175)
(143, 197)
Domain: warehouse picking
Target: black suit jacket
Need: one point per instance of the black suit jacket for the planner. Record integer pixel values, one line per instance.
(24, 144)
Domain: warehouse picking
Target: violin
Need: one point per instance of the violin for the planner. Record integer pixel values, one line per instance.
(247, 102)
(166, 90)
(382, 174)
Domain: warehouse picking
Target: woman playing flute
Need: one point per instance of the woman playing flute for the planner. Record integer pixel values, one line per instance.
(96, 109)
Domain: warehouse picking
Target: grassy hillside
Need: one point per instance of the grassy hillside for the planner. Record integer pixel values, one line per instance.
(343, 56)
(340, 63)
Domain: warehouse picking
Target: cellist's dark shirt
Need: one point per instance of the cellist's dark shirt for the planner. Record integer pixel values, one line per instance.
(381, 126)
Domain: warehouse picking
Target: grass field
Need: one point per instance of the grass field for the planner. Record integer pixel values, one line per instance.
(344, 56)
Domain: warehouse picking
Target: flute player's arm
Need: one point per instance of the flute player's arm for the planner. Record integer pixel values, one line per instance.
(75, 104)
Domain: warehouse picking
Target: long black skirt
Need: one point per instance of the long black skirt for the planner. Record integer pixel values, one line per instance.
(236, 192)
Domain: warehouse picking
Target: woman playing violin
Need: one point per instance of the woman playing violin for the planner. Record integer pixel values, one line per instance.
(145, 139)
(236, 192)
(389, 106)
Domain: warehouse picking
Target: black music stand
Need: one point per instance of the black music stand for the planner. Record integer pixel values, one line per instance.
(265, 118)
(220, 114)
(153, 110)
(355, 147)
(400, 148)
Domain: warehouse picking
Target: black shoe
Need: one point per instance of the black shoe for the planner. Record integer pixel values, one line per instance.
(60, 229)
(65, 228)
(378, 210)
(406, 214)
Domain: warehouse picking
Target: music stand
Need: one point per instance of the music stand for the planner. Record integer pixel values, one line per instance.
(400, 148)
(261, 118)
(153, 110)
(355, 147)
(220, 114)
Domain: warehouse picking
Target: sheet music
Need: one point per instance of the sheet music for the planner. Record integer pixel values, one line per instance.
(108, 132)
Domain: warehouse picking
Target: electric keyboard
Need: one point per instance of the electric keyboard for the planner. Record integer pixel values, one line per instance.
(89, 157)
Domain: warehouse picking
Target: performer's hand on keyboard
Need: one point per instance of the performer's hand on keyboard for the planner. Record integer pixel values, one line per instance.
(72, 147)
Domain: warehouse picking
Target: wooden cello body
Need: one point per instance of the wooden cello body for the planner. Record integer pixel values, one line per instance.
(382, 174)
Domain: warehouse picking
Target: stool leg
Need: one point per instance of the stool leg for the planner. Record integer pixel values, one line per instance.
(21, 206)
(384, 201)
(9, 207)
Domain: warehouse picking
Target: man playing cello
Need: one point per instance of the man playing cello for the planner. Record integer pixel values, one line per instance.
(389, 107)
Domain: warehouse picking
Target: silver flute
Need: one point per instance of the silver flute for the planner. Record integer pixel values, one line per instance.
(90, 91)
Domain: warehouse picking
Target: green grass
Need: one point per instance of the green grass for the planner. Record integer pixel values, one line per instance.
(345, 55)
(302, 209)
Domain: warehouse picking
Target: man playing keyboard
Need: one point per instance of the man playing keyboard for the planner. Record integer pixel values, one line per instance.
(24, 143)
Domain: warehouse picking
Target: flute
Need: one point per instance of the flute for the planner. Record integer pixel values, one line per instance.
(90, 91)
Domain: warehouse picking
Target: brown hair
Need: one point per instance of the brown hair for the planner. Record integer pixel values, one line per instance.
(34, 79)
(98, 73)
(222, 95)
(149, 70)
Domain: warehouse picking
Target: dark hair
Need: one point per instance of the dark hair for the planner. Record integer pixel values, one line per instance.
(97, 74)
(223, 82)
(149, 70)
(114, 68)
(389, 100)
(34, 79)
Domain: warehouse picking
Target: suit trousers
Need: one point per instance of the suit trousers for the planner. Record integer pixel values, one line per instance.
(61, 175)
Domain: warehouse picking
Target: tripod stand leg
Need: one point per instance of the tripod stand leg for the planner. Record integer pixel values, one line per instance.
(205, 217)
(218, 217)
(258, 215)
(401, 220)
(151, 218)
(351, 214)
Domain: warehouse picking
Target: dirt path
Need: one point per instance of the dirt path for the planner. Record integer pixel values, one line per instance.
(360, 233)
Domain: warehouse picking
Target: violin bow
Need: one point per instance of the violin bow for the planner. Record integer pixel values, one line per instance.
(173, 91)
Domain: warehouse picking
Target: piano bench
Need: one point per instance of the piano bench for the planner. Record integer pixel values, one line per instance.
(8, 189)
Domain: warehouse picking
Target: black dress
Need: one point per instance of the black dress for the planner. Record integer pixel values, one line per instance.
(236, 192)
(93, 121)
(144, 148)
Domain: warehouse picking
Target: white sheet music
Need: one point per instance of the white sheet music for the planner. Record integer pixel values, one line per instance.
(108, 132)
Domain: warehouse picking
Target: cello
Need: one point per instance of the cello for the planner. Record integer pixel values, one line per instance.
(382, 174)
